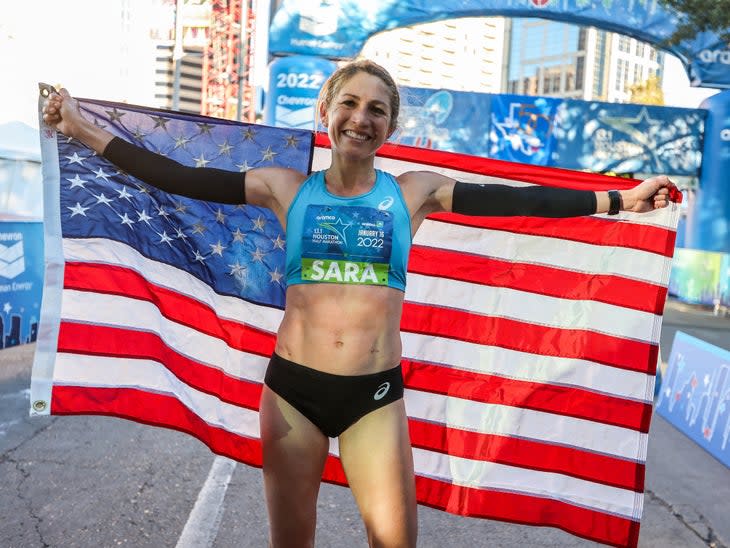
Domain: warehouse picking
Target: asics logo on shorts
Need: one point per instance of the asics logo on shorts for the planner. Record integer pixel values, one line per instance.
(381, 391)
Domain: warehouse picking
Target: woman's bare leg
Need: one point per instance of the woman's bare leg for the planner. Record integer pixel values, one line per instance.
(378, 461)
(294, 453)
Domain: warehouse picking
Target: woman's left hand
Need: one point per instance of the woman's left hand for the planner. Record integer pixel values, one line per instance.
(650, 194)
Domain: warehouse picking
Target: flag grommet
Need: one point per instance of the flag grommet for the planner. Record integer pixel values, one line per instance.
(40, 405)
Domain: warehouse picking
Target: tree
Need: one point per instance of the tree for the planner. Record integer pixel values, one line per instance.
(647, 93)
(697, 16)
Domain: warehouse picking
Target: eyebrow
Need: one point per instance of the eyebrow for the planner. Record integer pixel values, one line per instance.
(358, 97)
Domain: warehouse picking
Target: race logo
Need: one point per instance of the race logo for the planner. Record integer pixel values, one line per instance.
(12, 258)
(540, 3)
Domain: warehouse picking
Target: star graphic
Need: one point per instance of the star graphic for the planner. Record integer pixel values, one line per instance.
(291, 141)
(279, 242)
(248, 134)
(75, 159)
(237, 269)
(220, 216)
(204, 128)
(99, 174)
(102, 199)
(181, 141)
(78, 209)
(259, 223)
(258, 255)
(225, 148)
(180, 207)
(138, 135)
(126, 220)
(217, 248)
(162, 212)
(198, 228)
(180, 234)
(276, 276)
(268, 154)
(164, 238)
(143, 217)
(124, 194)
(243, 167)
(199, 257)
(76, 181)
(160, 122)
(238, 236)
(7, 308)
(114, 115)
(201, 162)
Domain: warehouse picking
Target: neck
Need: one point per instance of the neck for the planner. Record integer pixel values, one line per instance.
(345, 177)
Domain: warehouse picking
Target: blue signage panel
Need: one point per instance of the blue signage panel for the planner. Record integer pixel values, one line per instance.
(695, 394)
(21, 281)
(294, 84)
(570, 134)
(628, 138)
(523, 128)
(339, 28)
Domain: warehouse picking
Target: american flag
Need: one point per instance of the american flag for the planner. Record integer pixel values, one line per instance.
(530, 344)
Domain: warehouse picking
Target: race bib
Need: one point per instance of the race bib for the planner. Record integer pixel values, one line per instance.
(346, 244)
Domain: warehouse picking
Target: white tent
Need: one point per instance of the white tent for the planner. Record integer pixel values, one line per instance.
(21, 181)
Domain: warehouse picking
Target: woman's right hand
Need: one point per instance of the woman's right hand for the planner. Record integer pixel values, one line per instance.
(61, 111)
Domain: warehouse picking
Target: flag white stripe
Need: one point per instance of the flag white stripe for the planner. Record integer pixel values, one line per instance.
(533, 308)
(503, 420)
(150, 376)
(123, 312)
(103, 251)
(323, 158)
(513, 364)
(540, 250)
(502, 477)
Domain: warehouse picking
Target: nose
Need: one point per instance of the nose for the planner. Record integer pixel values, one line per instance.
(359, 116)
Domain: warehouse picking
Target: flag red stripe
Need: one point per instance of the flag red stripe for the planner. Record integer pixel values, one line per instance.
(549, 398)
(116, 280)
(99, 340)
(531, 338)
(591, 230)
(550, 176)
(525, 453)
(545, 280)
(526, 509)
(167, 411)
(156, 410)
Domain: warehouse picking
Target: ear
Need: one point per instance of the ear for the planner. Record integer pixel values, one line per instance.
(323, 114)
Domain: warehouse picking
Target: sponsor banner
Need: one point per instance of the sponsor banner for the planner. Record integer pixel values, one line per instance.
(339, 28)
(294, 84)
(695, 394)
(21, 281)
(571, 134)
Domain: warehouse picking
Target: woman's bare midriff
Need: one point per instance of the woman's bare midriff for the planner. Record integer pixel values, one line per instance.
(341, 329)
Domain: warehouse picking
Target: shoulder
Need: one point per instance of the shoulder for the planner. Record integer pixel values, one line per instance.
(423, 182)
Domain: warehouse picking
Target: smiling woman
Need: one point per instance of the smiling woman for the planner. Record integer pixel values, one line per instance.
(335, 370)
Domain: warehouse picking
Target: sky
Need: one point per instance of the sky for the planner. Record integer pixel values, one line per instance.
(84, 46)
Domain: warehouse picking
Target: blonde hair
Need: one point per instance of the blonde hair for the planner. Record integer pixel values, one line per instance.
(342, 75)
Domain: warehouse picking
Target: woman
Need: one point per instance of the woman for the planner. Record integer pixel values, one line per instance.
(335, 371)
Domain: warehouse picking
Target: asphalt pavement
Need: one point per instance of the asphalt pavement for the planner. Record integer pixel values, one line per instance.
(91, 481)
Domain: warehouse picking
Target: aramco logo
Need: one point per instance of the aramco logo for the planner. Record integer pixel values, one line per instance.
(715, 56)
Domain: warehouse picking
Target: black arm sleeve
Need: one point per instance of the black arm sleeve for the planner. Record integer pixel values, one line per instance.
(537, 201)
(204, 183)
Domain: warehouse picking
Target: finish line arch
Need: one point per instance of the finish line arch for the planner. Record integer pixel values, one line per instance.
(338, 29)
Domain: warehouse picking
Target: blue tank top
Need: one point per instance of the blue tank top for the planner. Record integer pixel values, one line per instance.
(348, 239)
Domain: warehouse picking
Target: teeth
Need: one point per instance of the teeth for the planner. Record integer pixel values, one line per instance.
(357, 136)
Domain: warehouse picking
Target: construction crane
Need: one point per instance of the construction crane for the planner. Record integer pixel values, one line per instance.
(227, 90)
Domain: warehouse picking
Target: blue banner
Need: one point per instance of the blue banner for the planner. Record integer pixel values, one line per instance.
(339, 28)
(571, 134)
(21, 281)
(628, 138)
(695, 394)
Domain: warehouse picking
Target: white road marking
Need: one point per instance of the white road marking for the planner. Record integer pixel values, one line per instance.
(202, 526)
